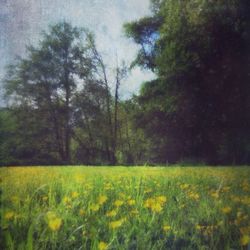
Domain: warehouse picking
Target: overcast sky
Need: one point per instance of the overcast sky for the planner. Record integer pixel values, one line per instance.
(21, 23)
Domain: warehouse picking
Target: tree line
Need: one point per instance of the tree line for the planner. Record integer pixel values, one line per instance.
(61, 109)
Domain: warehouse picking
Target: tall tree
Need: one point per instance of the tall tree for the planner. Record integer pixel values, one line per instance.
(198, 107)
(46, 81)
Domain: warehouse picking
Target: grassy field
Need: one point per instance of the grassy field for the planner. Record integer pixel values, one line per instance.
(125, 208)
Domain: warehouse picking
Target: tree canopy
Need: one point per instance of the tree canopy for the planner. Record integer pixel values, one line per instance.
(198, 107)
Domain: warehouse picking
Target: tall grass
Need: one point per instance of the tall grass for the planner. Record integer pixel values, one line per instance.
(125, 208)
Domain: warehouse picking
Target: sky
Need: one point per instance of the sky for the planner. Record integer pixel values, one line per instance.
(22, 21)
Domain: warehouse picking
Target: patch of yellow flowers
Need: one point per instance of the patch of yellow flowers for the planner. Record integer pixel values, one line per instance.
(226, 210)
(245, 238)
(116, 224)
(102, 245)
(9, 215)
(155, 204)
(54, 222)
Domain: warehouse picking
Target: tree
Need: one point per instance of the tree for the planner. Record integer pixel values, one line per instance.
(46, 82)
(61, 101)
(198, 107)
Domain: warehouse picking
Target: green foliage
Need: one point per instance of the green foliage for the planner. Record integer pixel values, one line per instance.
(60, 100)
(198, 107)
(126, 208)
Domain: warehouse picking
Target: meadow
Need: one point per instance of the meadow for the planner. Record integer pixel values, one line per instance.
(125, 208)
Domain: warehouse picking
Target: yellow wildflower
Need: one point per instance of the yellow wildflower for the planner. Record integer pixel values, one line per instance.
(102, 199)
(74, 194)
(149, 202)
(244, 240)
(226, 210)
(161, 199)
(215, 194)
(184, 186)
(9, 215)
(116, 224)
(66, 200)
(81, 212)
(55, 224)
(199, 227)
(131, 202)
(111, 213)
(194, 196)
(102, 245)
(245, 230)
(118, 203)
(95, 207)
(156, 207)
(166, 228)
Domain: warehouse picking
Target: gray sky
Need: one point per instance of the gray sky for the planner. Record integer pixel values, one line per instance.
(21, 23)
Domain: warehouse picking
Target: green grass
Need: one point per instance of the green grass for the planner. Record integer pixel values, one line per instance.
(125, 208)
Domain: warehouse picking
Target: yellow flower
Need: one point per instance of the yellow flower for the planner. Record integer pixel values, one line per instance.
(14, 199)
(118, 203)
(55, 224)
(156, 207)
(245, 230)
(95, 207)
(116, 224)
(149, 202)
(111, 213)
(74, 194)
(102, 245)
(81, 212)
(226, 210)
(66, 200)
(9, 215)
(102, 199)
(161, 199)
(131, 202)
(154, 204)
(194, 196)
(184, 186)
(166, 228)
(244, 240)
(215, 194)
